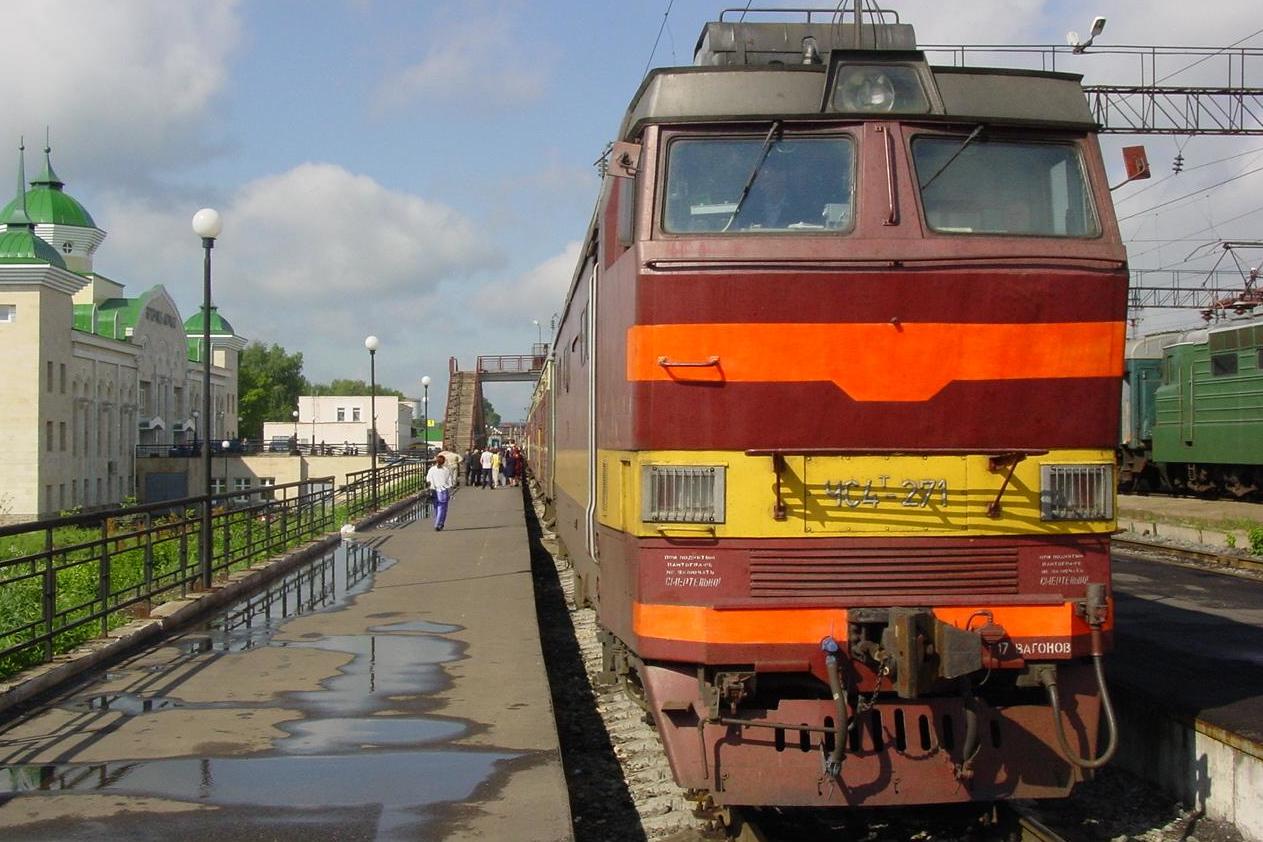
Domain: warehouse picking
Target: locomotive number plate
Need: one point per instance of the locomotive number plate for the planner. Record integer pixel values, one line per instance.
(884, 494)
(885, 490)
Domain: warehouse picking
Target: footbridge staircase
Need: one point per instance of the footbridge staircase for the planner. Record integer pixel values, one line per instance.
(463, 423)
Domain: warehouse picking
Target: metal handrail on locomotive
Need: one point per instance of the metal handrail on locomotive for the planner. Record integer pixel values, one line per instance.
(829, 425)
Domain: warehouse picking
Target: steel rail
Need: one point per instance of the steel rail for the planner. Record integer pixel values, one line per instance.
(1188, 555)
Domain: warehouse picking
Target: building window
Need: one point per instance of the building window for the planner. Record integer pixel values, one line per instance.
(342, 413)
(355, 413)
(8, 313)
(48, 436)
(241, 484)
(266, 484)
(1222, 365)
(61, 435)
(217, 485)
(63, 378)
(49, 378)
(61, 496)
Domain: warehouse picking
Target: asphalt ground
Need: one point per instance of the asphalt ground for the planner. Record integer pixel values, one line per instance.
(1191, 638)
(392, 690)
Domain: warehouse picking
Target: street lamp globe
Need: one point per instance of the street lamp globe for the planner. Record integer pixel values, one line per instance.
(371, 343)
(426, 381)
(207, 223)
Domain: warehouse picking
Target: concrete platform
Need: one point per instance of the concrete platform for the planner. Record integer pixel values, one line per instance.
(401, 696)
(1219, 524)
(1187, 672)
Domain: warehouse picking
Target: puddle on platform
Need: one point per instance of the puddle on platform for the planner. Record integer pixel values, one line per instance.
(326, 583)
(402, 782)
(419, 626)
(385, 667)
(331, 736)
(339, 755)
(128, 704)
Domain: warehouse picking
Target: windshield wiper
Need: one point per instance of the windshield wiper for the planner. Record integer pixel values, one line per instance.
(754, 173)
(972, 136)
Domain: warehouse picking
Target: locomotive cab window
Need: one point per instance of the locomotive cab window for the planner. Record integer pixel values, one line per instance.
(785, 185)
(1222, 365)
(970, 185)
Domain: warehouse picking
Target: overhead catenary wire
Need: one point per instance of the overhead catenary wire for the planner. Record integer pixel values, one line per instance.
(1208, 57)
(665, 16)
(1192, 194)
(1167, 178)
(1198, 231)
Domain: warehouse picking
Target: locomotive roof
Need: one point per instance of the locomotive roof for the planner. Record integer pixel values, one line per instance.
(757, 72)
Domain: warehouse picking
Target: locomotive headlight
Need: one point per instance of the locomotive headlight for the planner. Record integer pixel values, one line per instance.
(878, 88)
(866, 90)
(1076, 492)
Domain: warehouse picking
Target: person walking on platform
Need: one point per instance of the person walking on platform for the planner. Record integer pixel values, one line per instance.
(485, 462)
(440, 479)
(471, 467)
(497, 469)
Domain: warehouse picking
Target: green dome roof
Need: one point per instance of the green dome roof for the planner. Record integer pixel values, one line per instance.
(218, 324)
(19, 244)
(52, 206)
(47, 203)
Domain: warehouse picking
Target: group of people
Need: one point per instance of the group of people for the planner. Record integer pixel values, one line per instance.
(493, 467)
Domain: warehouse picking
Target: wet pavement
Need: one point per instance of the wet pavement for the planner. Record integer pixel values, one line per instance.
(344, 702)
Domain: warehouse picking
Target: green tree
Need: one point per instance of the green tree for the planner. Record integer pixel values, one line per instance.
(489, 414)
(269, 381)
(352, 387)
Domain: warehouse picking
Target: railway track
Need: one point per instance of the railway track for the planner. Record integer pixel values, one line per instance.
(1190, 555)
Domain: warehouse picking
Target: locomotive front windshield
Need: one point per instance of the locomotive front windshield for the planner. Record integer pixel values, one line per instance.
(795, 185)
(978, 186)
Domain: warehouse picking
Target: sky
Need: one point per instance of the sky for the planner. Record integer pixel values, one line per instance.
(423, 170)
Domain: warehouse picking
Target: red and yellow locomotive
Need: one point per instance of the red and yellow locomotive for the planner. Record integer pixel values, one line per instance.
(828, 428)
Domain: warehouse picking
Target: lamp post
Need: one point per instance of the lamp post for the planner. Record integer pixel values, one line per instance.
(371, 344)
(195, 414)
(207, 224)
(223, 446)
(539, 332)
(295, 415)
(425, 417)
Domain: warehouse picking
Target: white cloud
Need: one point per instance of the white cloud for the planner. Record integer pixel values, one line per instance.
(313, 259)
(474, 62)
(125, 86)
(537, 293)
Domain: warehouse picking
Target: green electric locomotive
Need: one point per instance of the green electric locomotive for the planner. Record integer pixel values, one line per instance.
(1193, 411)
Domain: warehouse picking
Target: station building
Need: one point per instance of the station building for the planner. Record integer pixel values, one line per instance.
(343, 424)
(90, 373)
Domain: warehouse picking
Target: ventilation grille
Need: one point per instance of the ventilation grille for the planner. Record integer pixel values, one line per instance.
(1076, 492)
(683, 494)
(781, 574)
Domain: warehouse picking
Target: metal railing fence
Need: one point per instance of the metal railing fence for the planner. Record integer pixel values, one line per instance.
(394, 482)
(65, 580)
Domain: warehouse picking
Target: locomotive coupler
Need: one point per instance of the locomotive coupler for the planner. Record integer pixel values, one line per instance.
(925, 649)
